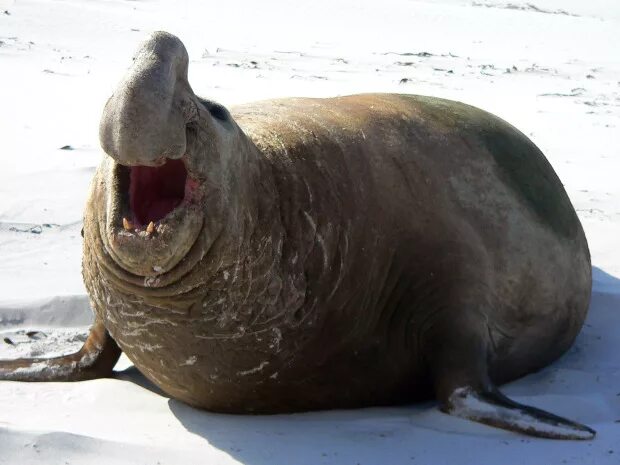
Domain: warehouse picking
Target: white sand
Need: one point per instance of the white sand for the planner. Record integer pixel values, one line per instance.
(60, 60)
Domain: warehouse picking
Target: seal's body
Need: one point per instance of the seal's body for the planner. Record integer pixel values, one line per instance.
(305, 254)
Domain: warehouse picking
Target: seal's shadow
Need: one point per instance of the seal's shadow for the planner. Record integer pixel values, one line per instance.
(370, 436)
(133, 375)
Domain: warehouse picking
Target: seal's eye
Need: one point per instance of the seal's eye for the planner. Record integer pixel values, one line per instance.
(156, 191)
(218, 112)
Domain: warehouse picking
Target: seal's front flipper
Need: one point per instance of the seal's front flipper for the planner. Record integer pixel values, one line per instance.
(95, 359)
(493, 408)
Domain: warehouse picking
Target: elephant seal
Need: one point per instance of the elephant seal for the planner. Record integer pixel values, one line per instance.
(302, 254)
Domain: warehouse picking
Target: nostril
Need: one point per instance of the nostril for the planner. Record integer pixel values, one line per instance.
(191, 134)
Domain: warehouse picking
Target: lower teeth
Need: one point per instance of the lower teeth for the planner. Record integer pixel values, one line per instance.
(128, 225)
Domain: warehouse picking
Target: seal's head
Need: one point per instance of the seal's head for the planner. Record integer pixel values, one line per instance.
(168, 177)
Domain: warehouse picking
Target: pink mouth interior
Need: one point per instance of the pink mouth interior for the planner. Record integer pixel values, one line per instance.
(156, 191)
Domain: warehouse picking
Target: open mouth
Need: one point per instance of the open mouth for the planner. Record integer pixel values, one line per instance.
(150, 193)
(154, 217)
(156, 191)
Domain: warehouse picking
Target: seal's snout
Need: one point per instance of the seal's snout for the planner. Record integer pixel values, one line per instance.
(144, 122)
(152, 213)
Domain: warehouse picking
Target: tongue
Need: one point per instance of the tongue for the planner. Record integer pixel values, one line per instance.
(156, 191)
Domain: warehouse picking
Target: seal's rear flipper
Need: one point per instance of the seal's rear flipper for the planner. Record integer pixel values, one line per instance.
(493, 408)
(464, 388)
(95, 359)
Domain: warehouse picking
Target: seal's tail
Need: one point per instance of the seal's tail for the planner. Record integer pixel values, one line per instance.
(95, 359)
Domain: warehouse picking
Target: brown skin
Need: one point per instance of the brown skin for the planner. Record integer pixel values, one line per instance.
(346, 252)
